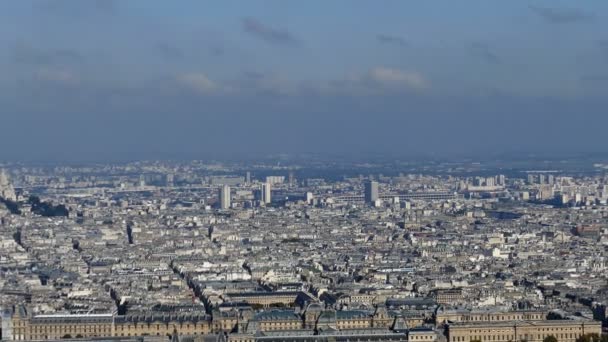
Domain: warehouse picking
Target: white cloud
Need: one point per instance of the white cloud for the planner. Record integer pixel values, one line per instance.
(376, 81)
(388, 76)
(198, 82)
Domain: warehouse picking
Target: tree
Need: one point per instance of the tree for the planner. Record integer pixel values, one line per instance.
(589, 338)
(47, 209)
(554, 316)
(13, 207)
(17, 236)
(550, 338)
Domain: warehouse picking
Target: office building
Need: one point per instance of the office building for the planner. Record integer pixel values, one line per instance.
(490, 181)
(501, 180)
(371, 192)
(266, 190)
(309, 198)
(225, 197)
(275, 179)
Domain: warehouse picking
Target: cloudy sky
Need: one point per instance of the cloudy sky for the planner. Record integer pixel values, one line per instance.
(139, 79)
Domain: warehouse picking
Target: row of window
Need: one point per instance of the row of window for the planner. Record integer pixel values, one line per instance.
(129, 327)
(61, 328)
(502, 318)
(511, 337)
(422, 337)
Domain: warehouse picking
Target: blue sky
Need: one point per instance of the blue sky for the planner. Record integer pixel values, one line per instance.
(145, 78)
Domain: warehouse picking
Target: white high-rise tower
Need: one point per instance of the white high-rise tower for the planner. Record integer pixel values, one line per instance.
(266, 190)
(225, 197)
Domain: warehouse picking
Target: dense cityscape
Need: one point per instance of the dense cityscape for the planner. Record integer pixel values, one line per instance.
(281, 251)
(303, 171)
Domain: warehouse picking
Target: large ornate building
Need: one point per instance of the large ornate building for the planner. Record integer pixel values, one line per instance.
(477, 316)
(7, 191)
(529, 331)
(55, 326)
(314, 323)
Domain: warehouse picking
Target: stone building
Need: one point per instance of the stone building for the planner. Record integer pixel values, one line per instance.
(476, 316)
(529, 331)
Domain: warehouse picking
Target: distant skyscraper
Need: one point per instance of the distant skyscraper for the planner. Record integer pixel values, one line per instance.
(551, 179)
(501, 180)
(309, 197)
(490, 181)
(371, 192)
(530, 179)
(225, 197)
(266, 190)
(248, 177)
(541, 179)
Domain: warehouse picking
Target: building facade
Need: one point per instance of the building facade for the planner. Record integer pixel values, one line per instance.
(225, 197)
(529, 331)
(371, 192)
(467, 316)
